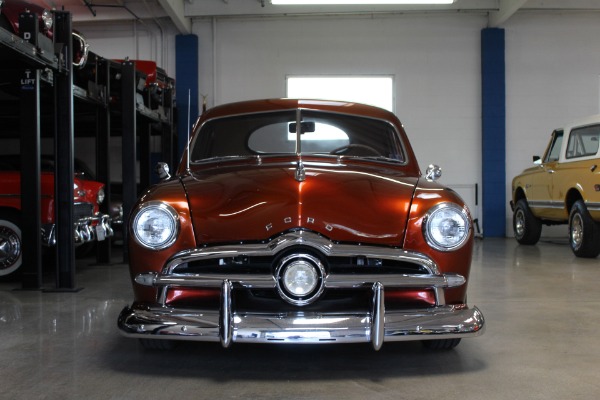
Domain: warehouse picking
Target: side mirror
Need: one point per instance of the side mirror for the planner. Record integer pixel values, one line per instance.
(433, 172)
(162, 170)
(537, 160)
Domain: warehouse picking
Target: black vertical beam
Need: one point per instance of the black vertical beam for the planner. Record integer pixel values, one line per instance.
(104, 249)
(167, 138)
(128, 145)
(30, 180)
(144, 151)
(63, 88)
(30, 164)
(166, 145)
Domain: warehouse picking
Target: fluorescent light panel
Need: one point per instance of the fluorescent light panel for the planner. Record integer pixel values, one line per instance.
(363, 2)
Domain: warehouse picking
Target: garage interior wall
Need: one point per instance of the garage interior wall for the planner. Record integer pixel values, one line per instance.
(552, 74)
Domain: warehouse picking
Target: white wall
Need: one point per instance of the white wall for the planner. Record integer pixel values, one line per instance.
(435, 61)
(552, 73)
(552, 78)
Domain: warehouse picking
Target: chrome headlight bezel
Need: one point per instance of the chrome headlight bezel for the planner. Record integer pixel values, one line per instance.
(306, 267)
(171, 218)
(449, 212)
(48, 19)
(100, 196)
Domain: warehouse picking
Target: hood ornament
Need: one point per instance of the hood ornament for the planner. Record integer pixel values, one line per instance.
(300, 172)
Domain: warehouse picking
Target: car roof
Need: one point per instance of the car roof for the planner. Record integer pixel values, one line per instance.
(252, 106)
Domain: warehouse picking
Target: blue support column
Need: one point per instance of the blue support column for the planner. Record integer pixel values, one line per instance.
(493, 103)
(186, 82)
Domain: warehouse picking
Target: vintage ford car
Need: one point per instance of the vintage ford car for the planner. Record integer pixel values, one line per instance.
(297, 221)
(90, 225)
(9, 20)
(562, 188)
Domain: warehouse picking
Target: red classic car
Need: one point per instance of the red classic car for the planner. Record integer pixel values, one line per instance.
(90, 224)
(9, 20)
(300, 221)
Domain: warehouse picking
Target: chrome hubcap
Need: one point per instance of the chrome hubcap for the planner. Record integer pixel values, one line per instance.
(10, 247)
(576, 231)
(519, 223)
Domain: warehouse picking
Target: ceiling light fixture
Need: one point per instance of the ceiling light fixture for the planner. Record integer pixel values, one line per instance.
(362, 2)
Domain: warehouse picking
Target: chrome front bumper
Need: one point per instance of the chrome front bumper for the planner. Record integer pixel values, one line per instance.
(299, 327)
(373, 324)
(87, 229)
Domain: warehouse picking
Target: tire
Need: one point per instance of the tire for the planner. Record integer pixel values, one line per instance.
(441, 344)
(11, 244)
(158, 344)
(526, 226)
(584, 232)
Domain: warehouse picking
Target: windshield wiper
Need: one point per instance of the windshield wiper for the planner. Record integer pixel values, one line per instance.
(380, 158)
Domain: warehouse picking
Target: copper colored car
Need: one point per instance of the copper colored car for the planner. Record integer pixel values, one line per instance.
(298, 221)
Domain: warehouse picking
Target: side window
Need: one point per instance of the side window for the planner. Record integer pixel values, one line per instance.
(554, 148)
(583, 142)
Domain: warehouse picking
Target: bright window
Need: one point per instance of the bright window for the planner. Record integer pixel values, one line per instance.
(374, 90)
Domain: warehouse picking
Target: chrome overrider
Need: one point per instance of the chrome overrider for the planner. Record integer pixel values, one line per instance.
(228, 325)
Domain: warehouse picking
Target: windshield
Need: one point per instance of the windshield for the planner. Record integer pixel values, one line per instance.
(276, 133)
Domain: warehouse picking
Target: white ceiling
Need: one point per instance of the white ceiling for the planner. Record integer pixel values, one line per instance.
(181, 12)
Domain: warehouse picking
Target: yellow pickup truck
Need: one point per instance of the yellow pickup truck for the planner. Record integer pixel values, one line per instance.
(563, 187)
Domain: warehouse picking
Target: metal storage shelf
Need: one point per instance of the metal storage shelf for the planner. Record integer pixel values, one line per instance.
(91, 105)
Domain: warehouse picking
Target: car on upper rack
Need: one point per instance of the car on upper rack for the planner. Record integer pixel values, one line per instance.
(10, 10)
(89, 223)
(300, 221)
(563, 187)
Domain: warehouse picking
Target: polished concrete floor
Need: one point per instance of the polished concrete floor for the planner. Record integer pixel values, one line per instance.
(542, 307)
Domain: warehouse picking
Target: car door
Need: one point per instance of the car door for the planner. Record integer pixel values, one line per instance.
(540, 187)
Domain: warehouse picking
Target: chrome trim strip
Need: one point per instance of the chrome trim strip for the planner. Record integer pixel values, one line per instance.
(332, 281)
(304, 238)
(546, 204)
(300, 327)
(592, 206)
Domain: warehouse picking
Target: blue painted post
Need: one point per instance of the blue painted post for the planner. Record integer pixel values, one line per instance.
(186, 81)
(493, 113)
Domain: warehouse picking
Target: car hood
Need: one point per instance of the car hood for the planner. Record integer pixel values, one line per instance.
(360, 203)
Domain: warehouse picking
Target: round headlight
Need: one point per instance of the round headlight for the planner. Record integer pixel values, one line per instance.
(446, 227)
(155, 225)
(299, 279)
(47, 18)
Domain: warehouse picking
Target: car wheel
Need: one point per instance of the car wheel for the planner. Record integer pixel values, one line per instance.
(526, 226)
(441, 344)
(11, 251)
(584, 232)
(157, 344)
